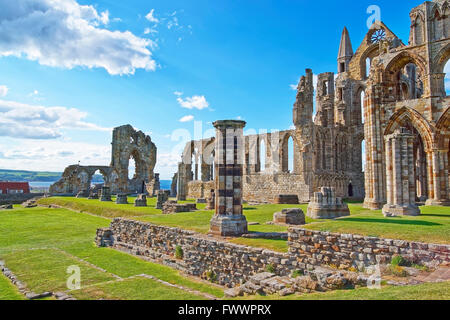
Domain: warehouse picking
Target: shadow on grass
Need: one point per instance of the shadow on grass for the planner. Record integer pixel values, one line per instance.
(262, 236)
(436, 215)
(250, 208)
(391, 221)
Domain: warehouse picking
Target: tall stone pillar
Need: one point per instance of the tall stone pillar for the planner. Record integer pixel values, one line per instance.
(228, 219)
(439, 179)
(182, 181)
(400, 177)
(375, 166)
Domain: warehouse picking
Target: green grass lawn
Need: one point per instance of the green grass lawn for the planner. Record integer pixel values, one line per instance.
(432, 226)
(39, 244)
(134, 289)
(8, 291)
(428, 291)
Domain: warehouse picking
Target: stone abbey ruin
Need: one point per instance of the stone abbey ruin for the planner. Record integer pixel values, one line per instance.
(127, 143)
(388, 94)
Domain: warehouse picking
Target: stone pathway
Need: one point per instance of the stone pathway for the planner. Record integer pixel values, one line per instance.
(441, 274)
(66, 294)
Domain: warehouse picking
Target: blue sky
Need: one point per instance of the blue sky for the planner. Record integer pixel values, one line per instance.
(160, 66)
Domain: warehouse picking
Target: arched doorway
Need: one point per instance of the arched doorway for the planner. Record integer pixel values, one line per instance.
(408, 143)
(350, 190)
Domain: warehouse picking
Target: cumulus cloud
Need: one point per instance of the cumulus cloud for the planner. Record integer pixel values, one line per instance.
(194, 102)
(151, 16)
(53, 155)
(66, 34)
(187, 118)
(3, 91)
(150, 31)
(38, 122)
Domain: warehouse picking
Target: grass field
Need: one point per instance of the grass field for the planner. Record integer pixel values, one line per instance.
(432, 226)
(8, 291)
(39, 244)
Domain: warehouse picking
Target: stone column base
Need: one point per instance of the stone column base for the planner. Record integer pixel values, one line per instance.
(228, 226)
(394, 211)
(373, 205)
(433, 202)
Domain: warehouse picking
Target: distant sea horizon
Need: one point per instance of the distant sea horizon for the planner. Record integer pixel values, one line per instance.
(165, 184)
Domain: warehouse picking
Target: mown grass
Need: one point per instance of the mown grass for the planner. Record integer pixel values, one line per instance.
(103, 209)
(39, 244)
(134, 289)
(427, 291)
(432, 226)
(8, 291)
(46, 269)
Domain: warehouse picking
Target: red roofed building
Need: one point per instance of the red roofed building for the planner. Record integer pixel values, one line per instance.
(14, 187)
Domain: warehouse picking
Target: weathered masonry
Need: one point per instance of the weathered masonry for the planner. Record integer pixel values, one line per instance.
(233, 264)
(382, 87)
(126, 143)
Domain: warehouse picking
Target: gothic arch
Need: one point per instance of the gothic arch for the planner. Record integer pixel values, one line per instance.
(405, 115)
(402, 59)
(441, 59)
(285, 152)
(370, 52)
(443, 130)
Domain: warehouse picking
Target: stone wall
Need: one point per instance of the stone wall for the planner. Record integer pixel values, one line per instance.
(267, 188)
(232, 264)
(349, 250)
(17, 198)
(199, 189)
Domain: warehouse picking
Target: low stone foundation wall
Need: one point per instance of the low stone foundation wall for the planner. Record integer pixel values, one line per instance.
(18, 198)
(348, 250)
(199, 189)
(265, 188)
(230, 264)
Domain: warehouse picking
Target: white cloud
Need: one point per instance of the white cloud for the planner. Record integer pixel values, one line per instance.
(173, 23)
(167, 164)
(151, 16)
(187, 118)
(66, 34)
(194, 102)
(53, 155)
(3, 91)
(25, 121)
(150, 31)
(178, 93)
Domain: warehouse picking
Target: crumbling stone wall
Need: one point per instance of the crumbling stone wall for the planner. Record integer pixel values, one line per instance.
(384, 86)
(233, 264)
(127, 143)
(350, 250)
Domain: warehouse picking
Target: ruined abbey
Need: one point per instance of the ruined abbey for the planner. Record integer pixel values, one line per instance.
(387, 94)
(126, 143)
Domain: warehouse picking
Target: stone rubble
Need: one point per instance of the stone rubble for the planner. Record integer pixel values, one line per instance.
(292, 216)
